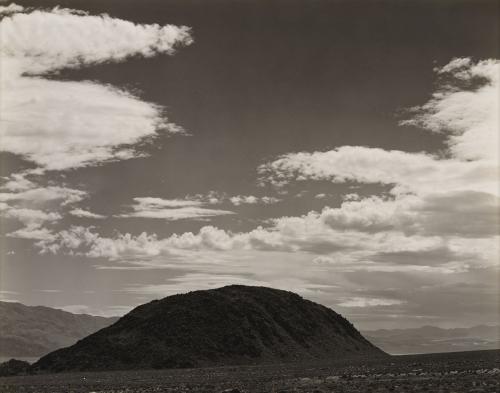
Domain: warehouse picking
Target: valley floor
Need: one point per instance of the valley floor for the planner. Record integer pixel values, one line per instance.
(462, 372)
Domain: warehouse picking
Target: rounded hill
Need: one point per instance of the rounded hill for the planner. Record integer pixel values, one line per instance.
(231, 325)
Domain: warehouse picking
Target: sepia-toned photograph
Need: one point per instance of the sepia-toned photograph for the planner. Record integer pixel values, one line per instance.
(249, 196)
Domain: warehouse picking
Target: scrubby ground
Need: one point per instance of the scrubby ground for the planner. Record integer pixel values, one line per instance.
(452, 372)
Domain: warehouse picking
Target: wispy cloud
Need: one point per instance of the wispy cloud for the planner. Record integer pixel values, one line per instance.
(85, 214)
(171, 209)
(45, 194)
(369, 302)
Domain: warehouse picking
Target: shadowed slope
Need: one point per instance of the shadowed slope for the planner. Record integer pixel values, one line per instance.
(32, 331)
(230, 325)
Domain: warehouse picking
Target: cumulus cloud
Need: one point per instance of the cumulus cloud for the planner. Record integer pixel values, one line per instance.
(406, 172)
(62, 124)
(307, 235)
(252, 200)
(171, 209)
(451, 194)
(469, 112)
(76, 123)
(215, 198)
(86, 39)
(464, 108)
(10, 9)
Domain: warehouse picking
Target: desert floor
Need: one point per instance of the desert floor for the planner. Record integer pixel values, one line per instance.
(452, 372)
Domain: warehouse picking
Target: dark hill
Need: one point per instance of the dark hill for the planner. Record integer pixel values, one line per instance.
(230, 325)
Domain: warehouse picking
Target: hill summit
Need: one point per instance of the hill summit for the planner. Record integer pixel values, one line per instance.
(231, 325)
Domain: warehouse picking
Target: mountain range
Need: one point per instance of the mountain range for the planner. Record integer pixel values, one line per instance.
(29, 332)
(33, 331)
(431, 339)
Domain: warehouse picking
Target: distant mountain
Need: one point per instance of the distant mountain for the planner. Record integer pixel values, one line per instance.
(27, 331)
(230, 325)
(428, 339)
(14, 367)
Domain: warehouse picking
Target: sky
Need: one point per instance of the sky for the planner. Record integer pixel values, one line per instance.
(343, 150)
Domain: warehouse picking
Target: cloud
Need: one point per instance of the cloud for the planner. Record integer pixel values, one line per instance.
(27, 201)
(252, 200)
(45, 194)
(33, 233)
(450, 194)
(406, 172)
(33, 221)
(464, 108)
(73, 38)
(215, 198)
(18, 182)
(465, 213)
(30, 216)
(309, 234)
(77, 123)
(469, 112)
(10, 9)
(85, 214)
(171, 209)
(62, 124)
(369, 302)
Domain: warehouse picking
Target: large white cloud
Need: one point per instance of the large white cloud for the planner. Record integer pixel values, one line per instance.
(10, 9)
(41, 41)
(469, 113)
(62, 124)
(406, 172)
(468, 116)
